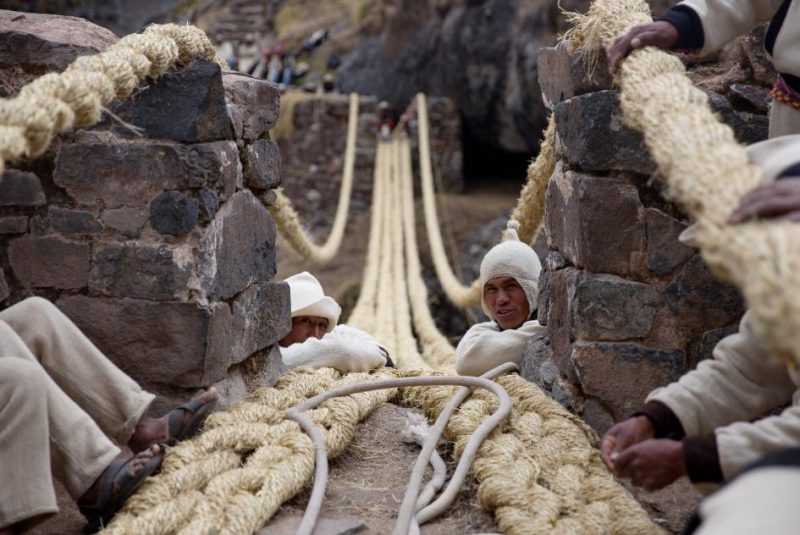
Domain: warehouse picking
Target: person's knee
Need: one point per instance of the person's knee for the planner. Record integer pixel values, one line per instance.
(35, 311)
(19, 377)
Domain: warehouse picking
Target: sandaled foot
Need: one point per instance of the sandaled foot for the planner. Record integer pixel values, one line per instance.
(179, 424)
(118, 481)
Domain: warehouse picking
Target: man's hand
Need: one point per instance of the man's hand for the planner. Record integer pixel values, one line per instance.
(623, 435)
(661, 34)
(778, 200)
(652, 464)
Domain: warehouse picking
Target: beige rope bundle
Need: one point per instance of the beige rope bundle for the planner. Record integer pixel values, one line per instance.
(539, 473)
(289, 222)
(530, 205)
(706, 171)
(55, 103)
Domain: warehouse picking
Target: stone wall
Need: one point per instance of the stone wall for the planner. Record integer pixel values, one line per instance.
(313, 154)
(627, 306)
(156, 244)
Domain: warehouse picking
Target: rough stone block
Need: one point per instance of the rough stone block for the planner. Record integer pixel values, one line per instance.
(127, 221)
(537, 365)
(182, 344)
(262, 165)
(173, 213)
(596, 415)
(238, 248)
(664, 251)
(596, 223)
(703, 348)
(261, 317)
(605, 369)
(49, 262)
(208, 203)
(562, 284)
(73, 222)
(610, 308)
(142, 270)
(132, 173)
(4, 290)
(748, 128)
(48, 42)
(187, 105)
(562, 76)
(14, 225)
(18, 188)
(699, 300)
(594, 136)
(254, 104)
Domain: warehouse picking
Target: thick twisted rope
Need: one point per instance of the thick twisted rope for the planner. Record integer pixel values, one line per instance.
(289, 222)
(460, 295)
(706, 171)
(56, 103)
(530, 205)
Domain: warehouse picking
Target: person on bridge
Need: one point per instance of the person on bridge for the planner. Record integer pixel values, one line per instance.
(703, 425)
(317, 341)
(705, 26)
(60, 401)
(509, 276)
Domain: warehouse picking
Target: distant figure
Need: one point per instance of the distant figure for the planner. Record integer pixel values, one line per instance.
(288, 70)
(334, 62)
(328, 83)
(386, 120)
(314, 41)
(275, 68)
(224, 50)
(248, 54)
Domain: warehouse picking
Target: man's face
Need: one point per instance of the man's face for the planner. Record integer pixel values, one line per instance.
(506, 299)
(305, 327)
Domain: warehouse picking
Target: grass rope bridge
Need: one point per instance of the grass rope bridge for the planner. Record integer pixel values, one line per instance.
(538, 471)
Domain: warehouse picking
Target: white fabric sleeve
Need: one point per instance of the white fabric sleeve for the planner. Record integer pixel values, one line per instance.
(345, 348)
(485, 346)
(743, 443)
(724, 20)
(739, 383)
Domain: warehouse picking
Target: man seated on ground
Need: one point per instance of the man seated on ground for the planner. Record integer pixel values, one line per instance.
(60, 401)
(705, 26)
(510, 281)
(702, 425)
(317, 341)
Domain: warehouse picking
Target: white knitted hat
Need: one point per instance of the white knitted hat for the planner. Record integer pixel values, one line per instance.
(309, 299)
(512, 258)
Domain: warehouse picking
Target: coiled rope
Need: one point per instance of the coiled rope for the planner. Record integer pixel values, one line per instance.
(58, 102)
(706, 171)
(289, 222)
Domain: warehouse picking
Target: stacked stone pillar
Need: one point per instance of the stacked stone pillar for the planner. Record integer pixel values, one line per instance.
(148, 232)
(628, 307)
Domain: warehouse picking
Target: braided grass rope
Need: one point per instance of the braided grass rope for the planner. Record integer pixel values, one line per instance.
(55, 103)
(436, 348)
(706, 171)
(530, 205)
(460, 295)
(289, 222)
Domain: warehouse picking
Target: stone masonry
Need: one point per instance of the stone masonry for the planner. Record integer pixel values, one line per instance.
(157, 245)
(627, 306)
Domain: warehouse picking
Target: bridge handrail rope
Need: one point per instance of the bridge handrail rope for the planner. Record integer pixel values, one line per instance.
(57, 102)
(289, 222)
(706, 171)
(460, 295)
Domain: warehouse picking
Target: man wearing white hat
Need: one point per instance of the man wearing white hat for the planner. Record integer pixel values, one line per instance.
(510, 281)
(317, 341)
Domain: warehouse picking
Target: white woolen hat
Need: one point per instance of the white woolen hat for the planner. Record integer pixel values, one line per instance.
(515, 259)
(309, 299)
